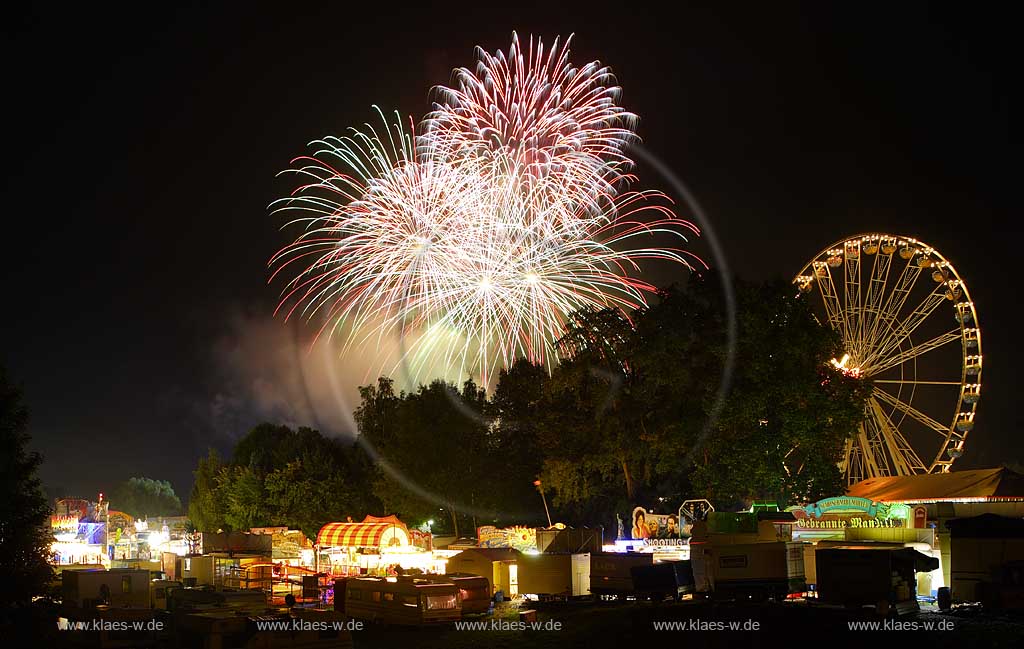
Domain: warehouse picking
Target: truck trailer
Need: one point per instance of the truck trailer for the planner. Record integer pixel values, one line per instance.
(749, 571)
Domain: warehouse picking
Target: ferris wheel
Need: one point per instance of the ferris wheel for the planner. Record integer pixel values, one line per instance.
(909, 326)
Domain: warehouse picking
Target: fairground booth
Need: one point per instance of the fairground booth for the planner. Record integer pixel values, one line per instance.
(375, 546)
(911, 512)
(91, 533)
(665, 536)
(940, 498)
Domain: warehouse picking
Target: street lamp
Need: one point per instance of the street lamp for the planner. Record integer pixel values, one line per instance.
(104, 508)
(540, 488)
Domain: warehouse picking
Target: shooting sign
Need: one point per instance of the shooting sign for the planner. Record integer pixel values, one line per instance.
(658, 529)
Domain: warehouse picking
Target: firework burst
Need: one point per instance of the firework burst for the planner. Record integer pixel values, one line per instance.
(537, 117)
(476, 239)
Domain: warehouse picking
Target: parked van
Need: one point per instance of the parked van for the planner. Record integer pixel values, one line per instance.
(402, 600)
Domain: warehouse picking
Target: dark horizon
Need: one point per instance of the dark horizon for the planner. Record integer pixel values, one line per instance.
(143, 152)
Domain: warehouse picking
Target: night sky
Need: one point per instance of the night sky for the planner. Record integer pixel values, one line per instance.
(141, 151)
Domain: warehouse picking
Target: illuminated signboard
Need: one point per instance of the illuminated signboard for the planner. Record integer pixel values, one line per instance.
(517, 537)
(844, 512)
(64, 523)
(659, 529)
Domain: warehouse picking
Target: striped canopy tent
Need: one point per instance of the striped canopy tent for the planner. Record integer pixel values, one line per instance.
(371, 533)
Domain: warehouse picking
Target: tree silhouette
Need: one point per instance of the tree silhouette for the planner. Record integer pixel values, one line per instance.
(24, 512)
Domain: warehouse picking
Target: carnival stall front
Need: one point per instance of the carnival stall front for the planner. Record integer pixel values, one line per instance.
(80, 532)
(376, 546)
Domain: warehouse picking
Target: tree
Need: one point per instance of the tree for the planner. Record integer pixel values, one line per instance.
(788, 411)
(593, 429)
(205, 504)
(307, 501)
(514, 413)
(632, 410)
(436, 451)
(142, 497)
(279, 476)
(24, 512)
(265, 448)
(245, 499)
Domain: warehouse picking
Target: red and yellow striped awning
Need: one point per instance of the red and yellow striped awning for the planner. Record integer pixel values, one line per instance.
(361, 535)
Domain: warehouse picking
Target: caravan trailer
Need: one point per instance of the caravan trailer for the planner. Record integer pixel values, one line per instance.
(474, 590)
(402, 600)
(118, 588)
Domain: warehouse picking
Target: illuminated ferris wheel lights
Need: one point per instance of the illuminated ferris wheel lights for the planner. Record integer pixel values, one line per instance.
(973, 365)
(870, 302)
(965, 423)
(972, 393)
(971, 338)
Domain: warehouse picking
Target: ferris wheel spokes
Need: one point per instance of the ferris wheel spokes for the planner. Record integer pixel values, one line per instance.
(851, 297)
(875, 291)
(913, 352)
(904, 460)
(830, 298)
(870, 441)
(906, 327)
(908, 381)
(910, 410)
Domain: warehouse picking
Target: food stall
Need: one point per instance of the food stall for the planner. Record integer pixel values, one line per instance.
(938, 498)
(836, 521)
(375, 546)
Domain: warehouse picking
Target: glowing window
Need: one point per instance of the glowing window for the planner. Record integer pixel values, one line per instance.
(442, 602)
